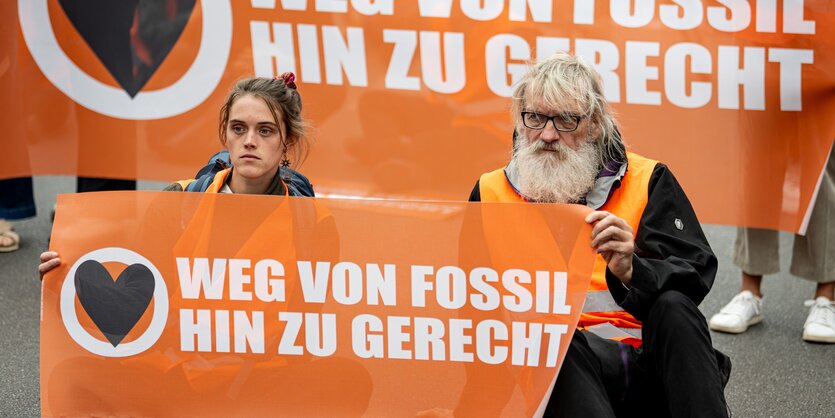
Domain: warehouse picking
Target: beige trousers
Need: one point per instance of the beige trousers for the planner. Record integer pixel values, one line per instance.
(813, 255)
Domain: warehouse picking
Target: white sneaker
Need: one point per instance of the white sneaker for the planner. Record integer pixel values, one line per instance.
(820, 325)
(740, 313)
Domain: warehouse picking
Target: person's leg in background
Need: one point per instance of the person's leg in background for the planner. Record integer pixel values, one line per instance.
(813, 258)
(16, 202)
(756, 253)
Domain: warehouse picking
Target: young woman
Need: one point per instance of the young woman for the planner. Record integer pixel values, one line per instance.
(260, 125)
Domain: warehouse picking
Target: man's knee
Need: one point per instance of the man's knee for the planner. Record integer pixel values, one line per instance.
(578, 349)
(673, 305)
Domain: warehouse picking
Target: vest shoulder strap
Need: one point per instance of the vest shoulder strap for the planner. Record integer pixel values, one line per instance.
(494, 187)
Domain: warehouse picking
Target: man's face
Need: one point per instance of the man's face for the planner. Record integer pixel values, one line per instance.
(550, 137)
(558, 166)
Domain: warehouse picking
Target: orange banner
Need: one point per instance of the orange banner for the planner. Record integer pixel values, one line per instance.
(186, 304)
(409, 98)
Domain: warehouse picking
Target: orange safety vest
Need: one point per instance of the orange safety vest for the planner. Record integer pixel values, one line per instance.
(218, 182)
(601, 313)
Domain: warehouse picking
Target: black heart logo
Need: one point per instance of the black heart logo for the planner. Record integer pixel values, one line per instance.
(114, 306)
(130, 37)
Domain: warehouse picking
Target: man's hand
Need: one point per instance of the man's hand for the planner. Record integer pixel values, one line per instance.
(612, 238)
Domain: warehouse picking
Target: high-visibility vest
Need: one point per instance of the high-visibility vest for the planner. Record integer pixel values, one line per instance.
(218, 181)
(601, 314)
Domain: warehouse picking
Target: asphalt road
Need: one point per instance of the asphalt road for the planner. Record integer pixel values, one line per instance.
(775, 373)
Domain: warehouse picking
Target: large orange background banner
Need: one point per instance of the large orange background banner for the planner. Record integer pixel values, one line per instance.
(409, 98)
(180, 304)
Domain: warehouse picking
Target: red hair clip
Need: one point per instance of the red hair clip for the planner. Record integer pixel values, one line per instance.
(289, 80)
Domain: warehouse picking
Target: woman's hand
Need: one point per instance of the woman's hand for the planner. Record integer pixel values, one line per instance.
(49, 260)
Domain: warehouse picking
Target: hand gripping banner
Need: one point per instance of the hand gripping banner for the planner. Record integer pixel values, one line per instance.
(181, 304)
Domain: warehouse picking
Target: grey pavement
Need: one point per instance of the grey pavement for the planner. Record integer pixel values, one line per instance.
(775, 373)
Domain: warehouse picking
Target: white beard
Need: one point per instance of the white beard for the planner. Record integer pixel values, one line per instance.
(559, 176)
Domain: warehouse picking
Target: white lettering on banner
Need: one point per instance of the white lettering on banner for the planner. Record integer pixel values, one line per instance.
(366, 7)
(237, 279)
(367, 340)
(483, 10)
(675, 83)
(791, 61)
(397, 75)
(201, 276)
(311, 66)
(487, 298)
(491, 331)
(341, 56)
(332, 6)
(767, 15)
(347, 280)
(541, 10)
(247, 333)
(274, 46)
(374, 7)
(435, 8)
(494, 343)
(452, 287)
(432, 67)
(583, 12)
(319, 334)
(397, 337)
(429, 339)
(347, 283)
(268, 279)
(734, 17)
(501, 75)
(521, 300)
(685, 15)
(605, 57)
(638, 72)
(729, 16)
(630, 15)
(454, 66)
(793, 21)
(288, 345)
(459, 339)
(732, 76)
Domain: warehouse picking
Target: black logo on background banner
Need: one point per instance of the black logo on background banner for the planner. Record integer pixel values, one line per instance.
(130, 37)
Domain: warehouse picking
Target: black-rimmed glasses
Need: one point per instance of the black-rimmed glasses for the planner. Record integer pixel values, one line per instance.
(564, 122)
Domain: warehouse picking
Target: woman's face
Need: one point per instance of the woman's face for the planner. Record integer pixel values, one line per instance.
(253, 139)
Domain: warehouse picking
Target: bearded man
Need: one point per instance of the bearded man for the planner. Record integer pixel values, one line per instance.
(642, 346)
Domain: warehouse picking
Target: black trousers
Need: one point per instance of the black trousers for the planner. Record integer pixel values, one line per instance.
(675, 373)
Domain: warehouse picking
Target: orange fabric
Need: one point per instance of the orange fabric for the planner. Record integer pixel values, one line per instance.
(176, 374)
(627, 202)
(440, 80)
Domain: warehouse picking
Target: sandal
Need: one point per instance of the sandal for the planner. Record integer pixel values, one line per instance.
(6, 234)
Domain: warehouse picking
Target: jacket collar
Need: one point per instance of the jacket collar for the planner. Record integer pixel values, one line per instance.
(277, 187)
